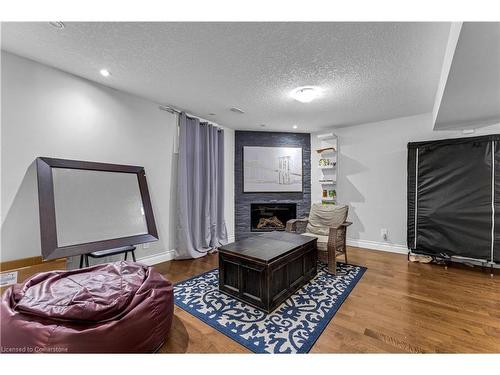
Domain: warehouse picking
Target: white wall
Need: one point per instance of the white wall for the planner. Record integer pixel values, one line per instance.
(47, 112)
(372, 176)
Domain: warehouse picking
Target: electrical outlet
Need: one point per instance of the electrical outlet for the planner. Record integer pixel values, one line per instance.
(8, 278)
(145, 245)
(384, 233)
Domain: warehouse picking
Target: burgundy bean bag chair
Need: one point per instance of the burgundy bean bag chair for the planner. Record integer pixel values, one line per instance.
(121, 307)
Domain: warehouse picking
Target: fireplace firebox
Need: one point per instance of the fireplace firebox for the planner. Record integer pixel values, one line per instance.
(266, 217)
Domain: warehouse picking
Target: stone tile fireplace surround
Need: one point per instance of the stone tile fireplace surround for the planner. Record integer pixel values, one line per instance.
(243, 201)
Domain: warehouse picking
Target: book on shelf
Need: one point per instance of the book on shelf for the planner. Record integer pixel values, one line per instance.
(329, 194)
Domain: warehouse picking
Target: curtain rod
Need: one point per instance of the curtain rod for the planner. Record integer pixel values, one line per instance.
(169, 109)
(173, 110)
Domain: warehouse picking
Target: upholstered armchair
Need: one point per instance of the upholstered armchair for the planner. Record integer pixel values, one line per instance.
(328, 224)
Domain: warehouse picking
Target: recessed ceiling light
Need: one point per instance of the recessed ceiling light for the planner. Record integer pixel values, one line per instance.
(105, 72)
(295, 126)
(305, 94)
(211, 114)
(57, 24)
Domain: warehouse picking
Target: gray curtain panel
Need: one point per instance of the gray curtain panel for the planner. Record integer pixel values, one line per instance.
(200, 188)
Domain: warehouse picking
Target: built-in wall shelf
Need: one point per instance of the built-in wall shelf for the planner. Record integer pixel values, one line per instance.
(325, 159)
(326, 136)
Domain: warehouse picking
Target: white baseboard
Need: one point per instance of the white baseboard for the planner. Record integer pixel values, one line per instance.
(151, 260)
(165, 256)
(381, 246)
(168, 255)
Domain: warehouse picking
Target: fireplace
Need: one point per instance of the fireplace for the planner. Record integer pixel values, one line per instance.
(266, 217)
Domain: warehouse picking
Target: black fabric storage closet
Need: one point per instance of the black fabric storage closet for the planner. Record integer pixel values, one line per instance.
(454, 197)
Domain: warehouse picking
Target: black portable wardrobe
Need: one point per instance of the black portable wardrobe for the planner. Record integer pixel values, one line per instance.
(454, 198)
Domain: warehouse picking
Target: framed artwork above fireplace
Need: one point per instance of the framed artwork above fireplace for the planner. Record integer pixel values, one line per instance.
(272, 169)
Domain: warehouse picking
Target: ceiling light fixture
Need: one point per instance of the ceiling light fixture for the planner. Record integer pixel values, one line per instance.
(305, 94)
(105, 72)
(237, 110)
(295, 126)
(57, 24)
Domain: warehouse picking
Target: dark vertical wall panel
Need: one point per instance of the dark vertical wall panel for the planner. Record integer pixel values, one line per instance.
(243, 200)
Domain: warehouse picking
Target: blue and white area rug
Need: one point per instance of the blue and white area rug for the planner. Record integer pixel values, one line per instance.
(293, 327)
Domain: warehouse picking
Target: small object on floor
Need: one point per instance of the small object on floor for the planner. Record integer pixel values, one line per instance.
(119, 307)
(420, 258)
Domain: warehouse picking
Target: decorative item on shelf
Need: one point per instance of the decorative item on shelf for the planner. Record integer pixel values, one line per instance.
(328, 202)
(326, 181)
(321, 150)
(326, 163)
(330, 197)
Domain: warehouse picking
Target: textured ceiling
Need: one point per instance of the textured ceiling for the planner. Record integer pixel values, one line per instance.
(472, 93)
(368, 71)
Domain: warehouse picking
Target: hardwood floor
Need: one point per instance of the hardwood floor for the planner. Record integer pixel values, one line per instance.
(397, 307)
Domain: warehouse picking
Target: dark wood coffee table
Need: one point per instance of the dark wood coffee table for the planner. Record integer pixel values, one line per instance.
(264, 270)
